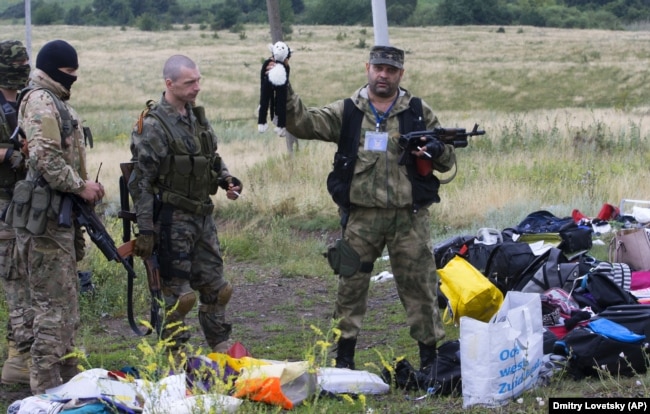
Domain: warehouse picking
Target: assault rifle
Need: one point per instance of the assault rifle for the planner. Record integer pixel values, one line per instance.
(86, 217)
(454, 136)
(151, 264)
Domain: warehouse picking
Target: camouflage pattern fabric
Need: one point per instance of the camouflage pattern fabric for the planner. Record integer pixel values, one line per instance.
(406, 236)
(13, 75)
(382, 215)
(386, 55)
(383, 187)
(16, 287)
(197, 265)
(14, 71)
(50, 257)
(150, 147)
(188, 245)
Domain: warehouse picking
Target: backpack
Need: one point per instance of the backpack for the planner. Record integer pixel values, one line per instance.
(635, 317)
(442, 379)
(573, 238)
(599, 292)
(507, 262)
(589, 352)
(620, 273)
(542, 221)
(445, 250)
(553, 271)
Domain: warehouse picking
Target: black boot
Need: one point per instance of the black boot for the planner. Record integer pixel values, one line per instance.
(428, 355)
(345, 353)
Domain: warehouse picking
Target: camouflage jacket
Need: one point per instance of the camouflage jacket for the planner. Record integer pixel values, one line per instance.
(379, 182)
(151, 148)
(61, 163)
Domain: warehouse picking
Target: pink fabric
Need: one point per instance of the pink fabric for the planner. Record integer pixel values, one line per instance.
(640, 280)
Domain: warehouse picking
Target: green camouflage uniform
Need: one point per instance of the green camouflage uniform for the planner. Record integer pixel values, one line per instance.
(51, 256)
(14, 277)
(187, 244)
(381, 216)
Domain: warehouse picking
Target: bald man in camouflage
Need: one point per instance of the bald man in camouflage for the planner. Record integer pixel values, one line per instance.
(177, 169)
(14, 74)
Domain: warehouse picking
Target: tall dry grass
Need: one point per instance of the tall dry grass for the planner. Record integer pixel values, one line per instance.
(525, 87)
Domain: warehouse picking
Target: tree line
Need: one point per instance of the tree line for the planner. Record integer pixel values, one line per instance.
(230, 14)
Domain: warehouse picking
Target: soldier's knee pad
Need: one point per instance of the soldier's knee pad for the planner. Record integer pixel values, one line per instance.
(223, 297)
(185, 303)
(219, 303)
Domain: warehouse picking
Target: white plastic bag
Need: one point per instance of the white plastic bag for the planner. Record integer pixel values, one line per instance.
(502, 358)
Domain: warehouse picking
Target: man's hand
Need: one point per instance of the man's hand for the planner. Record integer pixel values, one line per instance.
(233, 187)
(432, 150)
(144, 246)
(15, 158)
(92, 192)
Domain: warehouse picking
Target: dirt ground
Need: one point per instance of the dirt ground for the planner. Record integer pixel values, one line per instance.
(266, 306)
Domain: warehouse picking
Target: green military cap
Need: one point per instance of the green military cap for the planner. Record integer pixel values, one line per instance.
(387, 55)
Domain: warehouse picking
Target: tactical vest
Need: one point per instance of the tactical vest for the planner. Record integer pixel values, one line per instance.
(339, 180)
(8, 124)
(68, 125)
(187, 177)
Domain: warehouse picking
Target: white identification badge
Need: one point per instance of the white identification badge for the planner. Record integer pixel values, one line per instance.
(376, 141)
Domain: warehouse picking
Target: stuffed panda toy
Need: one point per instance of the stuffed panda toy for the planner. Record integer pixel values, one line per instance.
(273, 89)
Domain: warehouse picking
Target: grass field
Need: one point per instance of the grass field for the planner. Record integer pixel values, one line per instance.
(566, 115)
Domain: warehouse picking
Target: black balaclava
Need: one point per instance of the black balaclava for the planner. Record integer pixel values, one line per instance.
(58, 54)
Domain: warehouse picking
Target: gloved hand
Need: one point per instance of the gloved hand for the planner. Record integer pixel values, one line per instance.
(225, 183)
(15, 158)
(144, 246)
(435, 148)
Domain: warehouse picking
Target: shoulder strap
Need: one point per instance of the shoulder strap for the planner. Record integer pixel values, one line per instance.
(10, 114)
(412, 119)
(67, 123)
(350, 128)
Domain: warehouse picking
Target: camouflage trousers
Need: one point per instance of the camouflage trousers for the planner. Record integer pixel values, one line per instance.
(51, 264)
(407, 238)
(190, 260)
(16, 287)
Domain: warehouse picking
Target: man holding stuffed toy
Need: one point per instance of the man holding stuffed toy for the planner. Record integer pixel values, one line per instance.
(383, 200)
(177, 169)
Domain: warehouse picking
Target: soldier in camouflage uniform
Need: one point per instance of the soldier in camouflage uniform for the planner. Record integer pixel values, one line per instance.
(383, 212)
(177, 169)
(14, 74)
(56, 165)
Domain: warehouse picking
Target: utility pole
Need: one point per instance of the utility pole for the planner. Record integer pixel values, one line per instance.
(275, 22)
(28, 30)
(380, 22)
(273, 9)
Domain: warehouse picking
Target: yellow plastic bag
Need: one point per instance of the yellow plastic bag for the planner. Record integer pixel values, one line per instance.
(468, 292)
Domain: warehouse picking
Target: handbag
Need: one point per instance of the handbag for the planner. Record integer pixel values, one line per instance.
(468, 292)
(631, 246)
(503, 357)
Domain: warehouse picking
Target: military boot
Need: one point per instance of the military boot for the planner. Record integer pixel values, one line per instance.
(428, 355)
(69, 369)
(16, 368)
(345, 353)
